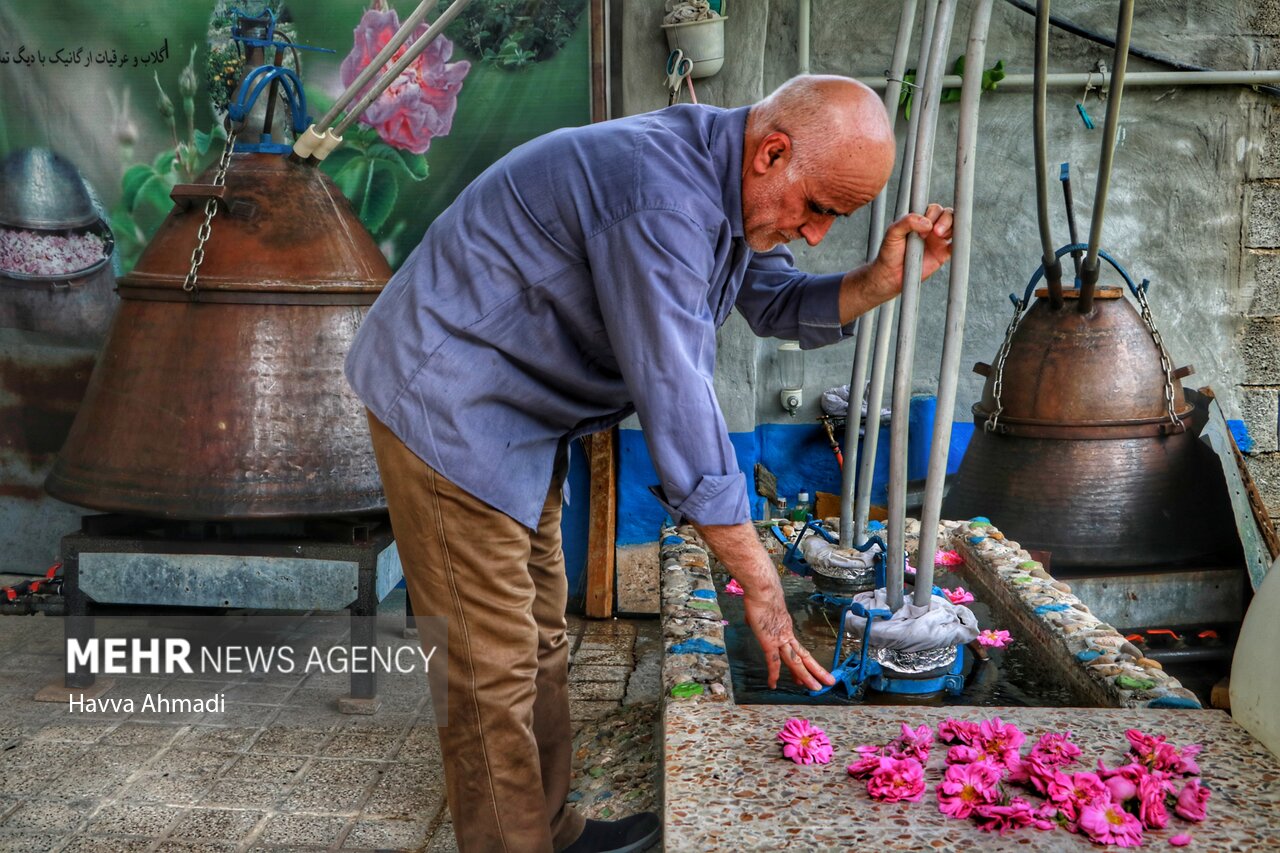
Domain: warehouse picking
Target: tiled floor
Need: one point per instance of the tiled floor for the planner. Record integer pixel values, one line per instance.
(280, 768)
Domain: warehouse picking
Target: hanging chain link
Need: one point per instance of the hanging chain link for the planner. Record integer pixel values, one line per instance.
(1165, 363)
(210, 210)
(997, 387)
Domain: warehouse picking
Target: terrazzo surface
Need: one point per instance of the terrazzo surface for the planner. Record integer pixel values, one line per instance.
(729, 788)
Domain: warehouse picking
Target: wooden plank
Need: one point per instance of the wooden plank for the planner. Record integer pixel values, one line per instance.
(601, 523)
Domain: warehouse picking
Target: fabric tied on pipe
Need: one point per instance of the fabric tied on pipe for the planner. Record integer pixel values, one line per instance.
(914, 628)
(843, 564)
(835, 403)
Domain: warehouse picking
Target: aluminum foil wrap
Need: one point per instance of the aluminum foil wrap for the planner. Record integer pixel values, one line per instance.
(912, 663)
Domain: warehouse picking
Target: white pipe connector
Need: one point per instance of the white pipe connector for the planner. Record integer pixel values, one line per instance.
(330, 141)
(306, 144)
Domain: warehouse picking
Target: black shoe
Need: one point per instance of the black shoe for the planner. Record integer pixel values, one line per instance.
(627, 835)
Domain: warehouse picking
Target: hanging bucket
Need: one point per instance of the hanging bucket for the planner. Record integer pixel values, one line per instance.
(700, 41)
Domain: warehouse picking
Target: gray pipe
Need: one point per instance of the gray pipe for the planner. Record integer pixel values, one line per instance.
(1052, 266)
(904, 358)
(1089, 269)
(437, 27)
(802, 46)
(375, 65)
(862, 350)
(884, 319)
(1102, 80)
(957, 299)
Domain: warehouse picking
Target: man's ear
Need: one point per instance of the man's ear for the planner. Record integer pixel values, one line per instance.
(773, 150)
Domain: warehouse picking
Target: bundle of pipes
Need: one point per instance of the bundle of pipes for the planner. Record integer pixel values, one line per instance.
(319, 140)
(913, 191)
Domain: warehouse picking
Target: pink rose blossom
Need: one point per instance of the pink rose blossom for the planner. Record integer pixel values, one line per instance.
(419, 105)
(947, 558)
(1180, 840)
(1185, 764)
(1055, 749)
(912, 743)
(1107, 823)
(1017, 814)
(897, 779)
(967, 786)
(804, 743)
(1152, 790)
(733, 587)
(966, 754)
(868, 761)
(1122, 782)
(1001, 740)
(994, 639)
(1192, 800)
(957, 731)
(959, 595)
(1071, 793)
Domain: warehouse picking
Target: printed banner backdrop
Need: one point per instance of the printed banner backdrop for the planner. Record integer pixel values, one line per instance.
(127, 93)
(132, 95)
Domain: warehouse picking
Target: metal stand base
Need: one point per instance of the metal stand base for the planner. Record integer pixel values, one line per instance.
(292, 565)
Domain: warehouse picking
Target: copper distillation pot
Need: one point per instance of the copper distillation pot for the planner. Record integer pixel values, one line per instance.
(1085, 446)
(219, 393)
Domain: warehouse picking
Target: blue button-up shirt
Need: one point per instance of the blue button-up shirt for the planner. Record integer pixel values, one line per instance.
(581, 278)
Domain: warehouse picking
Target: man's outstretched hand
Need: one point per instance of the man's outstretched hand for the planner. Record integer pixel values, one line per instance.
(771, 623)
(739, 549)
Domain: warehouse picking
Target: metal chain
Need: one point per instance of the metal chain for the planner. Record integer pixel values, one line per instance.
(997, 388)
(210, 210)
(1165, 363)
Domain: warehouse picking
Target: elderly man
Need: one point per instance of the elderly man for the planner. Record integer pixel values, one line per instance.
(579, 279)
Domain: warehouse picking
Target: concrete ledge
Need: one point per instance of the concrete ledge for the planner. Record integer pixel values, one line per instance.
(1090, 654)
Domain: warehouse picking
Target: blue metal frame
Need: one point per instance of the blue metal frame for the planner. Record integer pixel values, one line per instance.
(264, 76)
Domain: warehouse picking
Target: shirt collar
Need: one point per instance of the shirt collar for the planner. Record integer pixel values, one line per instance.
(727, 131)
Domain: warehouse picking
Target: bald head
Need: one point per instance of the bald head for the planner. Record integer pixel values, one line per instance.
(833, 123)
(817, 148)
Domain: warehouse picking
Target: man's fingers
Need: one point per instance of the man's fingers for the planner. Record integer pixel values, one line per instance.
(772, 664)
(804, 669)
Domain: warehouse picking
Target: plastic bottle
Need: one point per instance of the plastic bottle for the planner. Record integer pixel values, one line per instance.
(802, 508)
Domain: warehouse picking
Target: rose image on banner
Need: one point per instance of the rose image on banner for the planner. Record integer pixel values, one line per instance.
(419, 105)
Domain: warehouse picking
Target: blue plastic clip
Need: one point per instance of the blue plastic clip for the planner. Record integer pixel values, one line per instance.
(1084, 116)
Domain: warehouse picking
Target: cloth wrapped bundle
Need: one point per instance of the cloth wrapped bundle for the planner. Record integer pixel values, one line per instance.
(685, 11)
(913, 628)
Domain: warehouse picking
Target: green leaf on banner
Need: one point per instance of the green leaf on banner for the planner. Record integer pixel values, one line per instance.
(202, 141)
(128, 242)
(152, 204)
(380, 195)
(133, 180)
(370, 186)
(164, 161)
(413, 165)
(338, 160)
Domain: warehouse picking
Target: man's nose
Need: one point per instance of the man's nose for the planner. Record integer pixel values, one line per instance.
(815, 229)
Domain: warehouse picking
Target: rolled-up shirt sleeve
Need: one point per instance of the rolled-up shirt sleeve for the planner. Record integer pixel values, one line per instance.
(653, 299)
(780, 301)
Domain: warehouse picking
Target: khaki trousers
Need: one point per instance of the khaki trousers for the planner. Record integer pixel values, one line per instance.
(507, 743)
